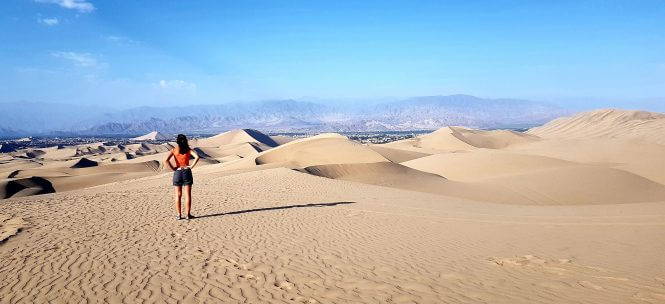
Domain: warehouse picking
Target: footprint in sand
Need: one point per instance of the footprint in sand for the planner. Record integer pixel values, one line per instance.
(248, 276)
(590, 285)
(284, 285)
(554, 284)
(661, 281)
(530, 260)
(650, 297)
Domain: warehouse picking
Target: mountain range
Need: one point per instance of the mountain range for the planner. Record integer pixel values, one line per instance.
(417, 113)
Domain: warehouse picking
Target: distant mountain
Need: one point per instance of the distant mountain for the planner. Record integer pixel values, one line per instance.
(11, 133)
(433, 112)
(42, 117)
(418, 113)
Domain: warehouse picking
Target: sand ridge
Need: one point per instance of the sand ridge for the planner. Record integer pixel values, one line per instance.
(607, 123)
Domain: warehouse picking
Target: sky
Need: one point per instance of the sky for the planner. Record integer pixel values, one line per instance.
(576, 54)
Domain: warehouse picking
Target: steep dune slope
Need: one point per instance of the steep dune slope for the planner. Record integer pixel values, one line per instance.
(632, 155)
(397, 155)
(235, 137)
(320, 150)
(155, 135)
(580, 185)
(608, 123)
(484, 164)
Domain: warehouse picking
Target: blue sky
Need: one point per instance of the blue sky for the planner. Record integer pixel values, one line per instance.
(579, 54)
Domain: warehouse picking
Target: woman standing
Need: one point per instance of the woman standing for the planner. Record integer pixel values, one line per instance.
(182, 175)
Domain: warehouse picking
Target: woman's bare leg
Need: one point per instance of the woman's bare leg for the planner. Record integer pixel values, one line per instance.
(188, 197)
(178, 194)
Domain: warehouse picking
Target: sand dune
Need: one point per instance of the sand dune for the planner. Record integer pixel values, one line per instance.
(236, 137)
(84, 163)
(450, 139)
(58, 169)
(609, 123)
(397, 155)
(565, 185)
(48, 180)
(636, 156)
(18, 187)
(144, 166)
(148, 148)
(496, 139)
(281, 139)
(581, 185)
(386, 174)
(155, 135)
(238, 149)
(455, 216)
(54, 153)
(484, 164)
(319, 150)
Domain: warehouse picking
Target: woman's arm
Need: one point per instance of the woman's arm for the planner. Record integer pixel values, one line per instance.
(168, 161)
(196, 158)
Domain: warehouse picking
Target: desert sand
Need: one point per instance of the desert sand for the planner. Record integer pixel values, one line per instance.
(154, 135)
(570, 212)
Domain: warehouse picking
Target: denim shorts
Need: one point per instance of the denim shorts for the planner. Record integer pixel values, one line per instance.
(183, 177)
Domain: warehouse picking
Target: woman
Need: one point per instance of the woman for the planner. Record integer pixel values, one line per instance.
(182, 175)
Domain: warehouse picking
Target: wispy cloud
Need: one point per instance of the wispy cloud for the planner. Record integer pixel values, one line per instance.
(82, 6)
(48, 21)
(176, 85)
(120, 40)
(79, 59)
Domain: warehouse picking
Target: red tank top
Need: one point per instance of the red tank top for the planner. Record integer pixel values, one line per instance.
(181, 160)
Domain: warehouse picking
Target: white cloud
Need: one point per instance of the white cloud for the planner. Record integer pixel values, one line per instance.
(82, 6)
(176, 85)
(114, 38)
(49, 21)
(120, 40)
(79, 59)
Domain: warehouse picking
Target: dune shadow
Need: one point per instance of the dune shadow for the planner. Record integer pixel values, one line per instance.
(40, 184)
(276, 208)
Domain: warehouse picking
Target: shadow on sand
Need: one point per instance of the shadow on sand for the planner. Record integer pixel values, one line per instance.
(276, 208)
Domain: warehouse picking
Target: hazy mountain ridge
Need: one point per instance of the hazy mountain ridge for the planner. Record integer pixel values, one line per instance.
(418, 113)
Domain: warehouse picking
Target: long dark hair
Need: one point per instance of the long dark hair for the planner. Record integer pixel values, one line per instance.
(183, 145)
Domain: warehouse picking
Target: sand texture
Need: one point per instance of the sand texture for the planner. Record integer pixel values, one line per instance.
(454, 216)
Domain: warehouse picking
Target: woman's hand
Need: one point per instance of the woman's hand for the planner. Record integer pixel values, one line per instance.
(196, 159)
(167, 161)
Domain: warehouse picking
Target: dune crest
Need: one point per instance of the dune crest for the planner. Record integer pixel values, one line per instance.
(236, 137)
(607, 123)
(321, 150)
(484, 164)
(450, 139)
(155, 135)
